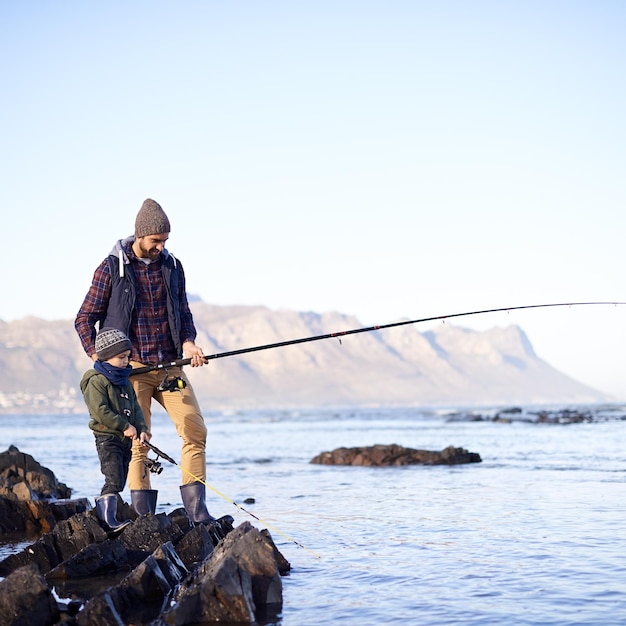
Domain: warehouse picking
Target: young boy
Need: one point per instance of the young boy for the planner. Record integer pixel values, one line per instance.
(116, 418)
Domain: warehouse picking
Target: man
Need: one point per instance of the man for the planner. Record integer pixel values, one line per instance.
(140, 290)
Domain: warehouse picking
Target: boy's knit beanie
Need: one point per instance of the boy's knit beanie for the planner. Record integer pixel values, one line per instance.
(151, 220)
(110, 342)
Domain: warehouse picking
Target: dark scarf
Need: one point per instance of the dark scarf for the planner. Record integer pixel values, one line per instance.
(116, 375)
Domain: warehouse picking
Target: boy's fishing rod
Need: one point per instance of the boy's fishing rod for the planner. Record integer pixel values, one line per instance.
(354, 331)
(168, 458)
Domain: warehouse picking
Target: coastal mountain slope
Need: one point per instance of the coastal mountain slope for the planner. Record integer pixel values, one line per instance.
(41, 363)
(446, 366)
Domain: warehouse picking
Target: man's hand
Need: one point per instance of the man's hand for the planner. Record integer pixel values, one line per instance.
(192, 351)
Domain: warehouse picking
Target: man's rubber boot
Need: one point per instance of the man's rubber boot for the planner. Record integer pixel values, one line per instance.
(194, 501)
(143, 501)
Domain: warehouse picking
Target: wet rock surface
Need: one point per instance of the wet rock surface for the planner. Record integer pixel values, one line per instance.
(161, 569)
(240, 582)
(25, 598)
(32, 500)
(393, 455)
(23, 478)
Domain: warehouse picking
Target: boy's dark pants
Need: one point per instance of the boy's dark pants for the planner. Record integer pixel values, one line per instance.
(114, 455)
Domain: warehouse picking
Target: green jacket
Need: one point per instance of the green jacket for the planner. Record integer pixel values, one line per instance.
(111, 407)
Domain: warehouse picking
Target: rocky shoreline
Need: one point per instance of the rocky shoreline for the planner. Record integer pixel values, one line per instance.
(162, 569)
(541, 416)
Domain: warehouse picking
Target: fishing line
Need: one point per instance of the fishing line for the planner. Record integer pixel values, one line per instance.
(354, 331)
(162, 454)
(279, 344)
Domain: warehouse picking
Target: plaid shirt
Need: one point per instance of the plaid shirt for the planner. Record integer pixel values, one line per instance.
(149, 330)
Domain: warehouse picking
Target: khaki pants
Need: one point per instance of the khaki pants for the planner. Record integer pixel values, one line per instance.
(183, 409)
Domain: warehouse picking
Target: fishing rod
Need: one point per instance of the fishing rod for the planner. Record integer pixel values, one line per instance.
(354, 331)
(168, 458)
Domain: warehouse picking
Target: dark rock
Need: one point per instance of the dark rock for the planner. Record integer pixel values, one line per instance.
(15, 517)
(238, 582)
(35, 517)
(220, 528)
(25, 599)
(172, 567)
(194, 546)
(284, 567)
(23, 478)
(565, 416)
(394, 455)
(76, 533)
(32, 500)
(66, 539)
(131, 577)
(96, 559)
(181, 519)
(464, 417)
(64, 509)
(128, 550)
(514, 410)
(100, 566)
(148, 532)
(543, 416)
(140, 596)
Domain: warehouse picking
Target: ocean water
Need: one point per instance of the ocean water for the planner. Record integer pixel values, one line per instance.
(535, 534)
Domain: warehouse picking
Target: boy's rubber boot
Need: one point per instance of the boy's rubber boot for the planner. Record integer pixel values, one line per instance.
(194, 501)
(106, 510)
(143, 501)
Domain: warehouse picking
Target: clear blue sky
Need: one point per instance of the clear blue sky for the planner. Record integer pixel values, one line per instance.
(383, 159)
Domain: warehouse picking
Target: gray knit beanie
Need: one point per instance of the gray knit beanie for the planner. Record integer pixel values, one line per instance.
(151, 220)
(110, 342)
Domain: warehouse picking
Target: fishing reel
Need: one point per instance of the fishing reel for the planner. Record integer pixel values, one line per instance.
(154, 466)
(173, 384)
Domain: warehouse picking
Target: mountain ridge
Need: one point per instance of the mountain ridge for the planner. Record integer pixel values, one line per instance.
(445, 366)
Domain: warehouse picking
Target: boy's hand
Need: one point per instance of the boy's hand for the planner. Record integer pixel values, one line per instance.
(145, 436)
(131, 432)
